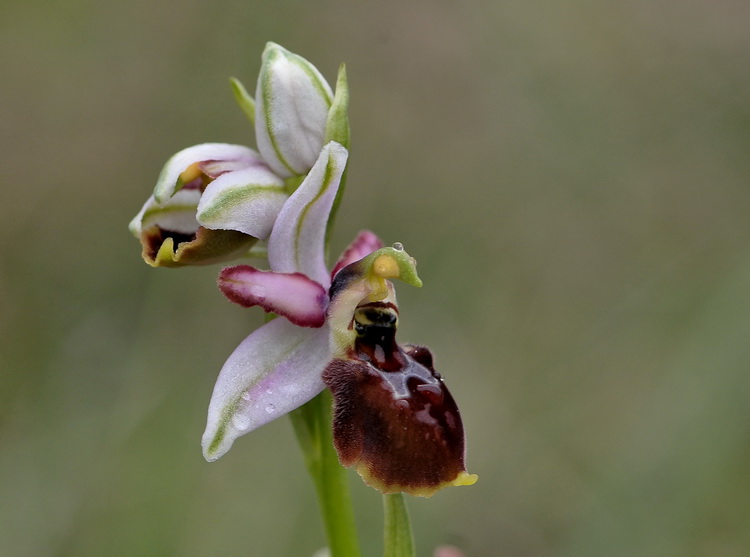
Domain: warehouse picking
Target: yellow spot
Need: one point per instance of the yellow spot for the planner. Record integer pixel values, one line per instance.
(385, 266)
(418, 491)
(190, 173)
(465, 479)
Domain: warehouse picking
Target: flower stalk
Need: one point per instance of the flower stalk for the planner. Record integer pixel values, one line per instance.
(312, 426)
(398, 540)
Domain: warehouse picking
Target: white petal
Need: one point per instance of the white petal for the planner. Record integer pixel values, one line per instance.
(177, 215)
(273, 371)
(292, 103)
(247, 200)
(297, 243)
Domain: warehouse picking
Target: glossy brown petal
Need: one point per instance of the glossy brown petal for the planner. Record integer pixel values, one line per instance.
(394, 418)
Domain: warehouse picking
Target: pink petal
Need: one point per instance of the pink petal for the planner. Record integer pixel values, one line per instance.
(215, 168)
(363, 245)
(294, 296)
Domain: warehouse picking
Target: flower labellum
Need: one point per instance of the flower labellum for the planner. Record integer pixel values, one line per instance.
(394, 419)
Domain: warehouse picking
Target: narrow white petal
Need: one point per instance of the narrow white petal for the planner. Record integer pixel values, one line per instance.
(297, 243)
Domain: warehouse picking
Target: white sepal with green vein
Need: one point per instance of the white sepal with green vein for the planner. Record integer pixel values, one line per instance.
(292, 101)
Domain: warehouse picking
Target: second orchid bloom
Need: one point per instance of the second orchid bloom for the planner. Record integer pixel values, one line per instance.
(213, 201)
(394, 419)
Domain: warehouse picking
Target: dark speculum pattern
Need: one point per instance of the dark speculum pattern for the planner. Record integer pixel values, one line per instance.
(394, 418)
(344, 278)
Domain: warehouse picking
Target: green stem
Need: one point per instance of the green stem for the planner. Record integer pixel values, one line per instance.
(312, 425)
(398, 537)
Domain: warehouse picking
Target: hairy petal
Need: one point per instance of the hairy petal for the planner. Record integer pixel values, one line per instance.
(273, 371)
(395, 421)
(297, 242)
(248, 200)
(294, 296)
(169, 180)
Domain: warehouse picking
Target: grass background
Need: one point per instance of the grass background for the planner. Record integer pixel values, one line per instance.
(573, 179)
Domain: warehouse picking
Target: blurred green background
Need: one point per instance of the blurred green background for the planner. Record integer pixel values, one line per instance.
(571, 176)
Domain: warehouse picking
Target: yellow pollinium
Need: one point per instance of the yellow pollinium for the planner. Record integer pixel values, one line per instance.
(190, 173)
(386, 266)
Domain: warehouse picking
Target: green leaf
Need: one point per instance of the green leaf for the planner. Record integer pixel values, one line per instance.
(246, 102)
(337, 123)
(337, 129)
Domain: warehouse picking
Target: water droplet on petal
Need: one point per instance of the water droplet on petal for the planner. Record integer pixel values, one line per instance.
(246, 396)
(398, 246)
(270, 408)
(241, 422)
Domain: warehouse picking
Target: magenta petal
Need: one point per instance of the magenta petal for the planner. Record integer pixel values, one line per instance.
(292, 295)
(363, 245)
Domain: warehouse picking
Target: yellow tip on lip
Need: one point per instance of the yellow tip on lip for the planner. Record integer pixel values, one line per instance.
(385, 266)
(465, 479)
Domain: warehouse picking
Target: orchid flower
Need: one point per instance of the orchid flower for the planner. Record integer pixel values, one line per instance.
(213, 201)
(337, 330)
(393, 419)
